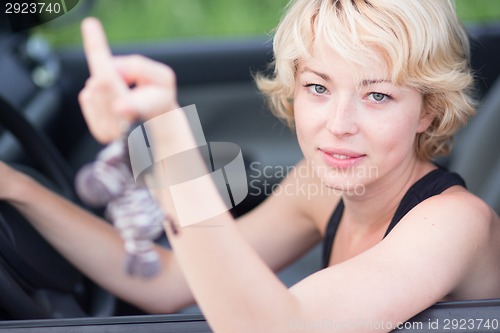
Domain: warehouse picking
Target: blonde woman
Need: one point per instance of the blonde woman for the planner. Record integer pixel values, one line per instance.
(374, 89)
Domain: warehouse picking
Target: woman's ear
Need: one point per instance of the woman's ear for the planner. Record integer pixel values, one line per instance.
(426, 118)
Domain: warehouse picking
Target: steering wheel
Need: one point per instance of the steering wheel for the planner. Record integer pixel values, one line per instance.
(32, 273)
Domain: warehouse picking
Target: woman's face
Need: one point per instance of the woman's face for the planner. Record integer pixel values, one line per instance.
(354, 129)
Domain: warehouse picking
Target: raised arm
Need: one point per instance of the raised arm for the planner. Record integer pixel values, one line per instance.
(107, 96)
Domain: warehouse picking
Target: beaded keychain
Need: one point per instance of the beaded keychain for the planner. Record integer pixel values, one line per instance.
(135, 214)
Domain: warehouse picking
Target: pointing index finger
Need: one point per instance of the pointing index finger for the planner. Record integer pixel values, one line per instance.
(96, 47)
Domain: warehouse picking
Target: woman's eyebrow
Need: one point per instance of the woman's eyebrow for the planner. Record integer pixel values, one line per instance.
(369, 82)
(325, 77)
(321, 75)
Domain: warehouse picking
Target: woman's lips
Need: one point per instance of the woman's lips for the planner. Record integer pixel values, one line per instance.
(341, 158)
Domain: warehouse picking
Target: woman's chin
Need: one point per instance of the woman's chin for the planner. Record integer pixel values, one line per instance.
(344, 186)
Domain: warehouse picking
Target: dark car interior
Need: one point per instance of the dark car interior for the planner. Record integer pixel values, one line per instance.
(43, 134)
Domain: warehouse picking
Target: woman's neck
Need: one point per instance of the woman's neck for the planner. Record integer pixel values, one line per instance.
(380, 200)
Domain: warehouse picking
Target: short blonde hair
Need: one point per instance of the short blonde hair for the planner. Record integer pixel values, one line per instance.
(421, 41)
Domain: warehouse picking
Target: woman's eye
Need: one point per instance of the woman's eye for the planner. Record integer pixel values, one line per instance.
(316, 89)
(379, 97)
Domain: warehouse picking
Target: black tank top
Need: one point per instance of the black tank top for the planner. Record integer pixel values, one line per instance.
(429, 185)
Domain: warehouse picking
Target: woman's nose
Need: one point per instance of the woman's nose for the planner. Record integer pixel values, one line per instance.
(342, 118)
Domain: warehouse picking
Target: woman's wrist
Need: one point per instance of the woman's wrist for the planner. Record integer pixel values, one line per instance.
(23, 191)
(171, 132)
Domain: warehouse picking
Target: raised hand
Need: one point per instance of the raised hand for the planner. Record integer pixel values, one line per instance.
(103, 88)
(108, 103)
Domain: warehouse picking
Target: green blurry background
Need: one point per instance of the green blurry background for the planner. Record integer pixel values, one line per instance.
(149, 20)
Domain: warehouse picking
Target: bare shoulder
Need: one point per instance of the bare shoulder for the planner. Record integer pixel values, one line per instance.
(457, 206)
(311, 196)
(300, 197)
(454, 216)
(286, 224)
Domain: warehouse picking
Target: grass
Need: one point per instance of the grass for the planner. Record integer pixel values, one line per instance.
(478, 10)
(151, 20)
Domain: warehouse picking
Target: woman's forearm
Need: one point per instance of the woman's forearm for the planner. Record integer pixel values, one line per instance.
(235, 289)
(221, 268)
